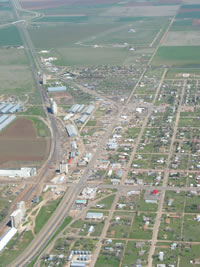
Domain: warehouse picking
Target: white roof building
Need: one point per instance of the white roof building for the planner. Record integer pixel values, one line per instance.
(23, 173)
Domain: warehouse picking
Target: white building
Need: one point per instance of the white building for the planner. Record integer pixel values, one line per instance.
(54, 107)
(18, 215)
(22, 173)
(63, 167)
(94, 215)
(7, 237)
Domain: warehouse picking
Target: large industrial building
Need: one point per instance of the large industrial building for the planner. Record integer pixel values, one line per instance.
(88, 110)
(83, 118)
(9, 108)
(57, 89)
(7, 236)
(71, 130)
(22, 173)
(76, 108)
(18, 215)
(6, 120)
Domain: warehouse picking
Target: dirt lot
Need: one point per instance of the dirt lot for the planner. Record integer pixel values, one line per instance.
(182, 38)
(19, 143)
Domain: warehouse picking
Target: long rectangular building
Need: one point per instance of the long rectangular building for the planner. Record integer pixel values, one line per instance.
(71, 130)
(15, 108)
(6, 108)
(23, 173)
(3, 118)
(6, 122)
(57, 89)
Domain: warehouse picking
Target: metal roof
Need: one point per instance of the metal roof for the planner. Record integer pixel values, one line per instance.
(15, 108)
(71, 130)
(6, 108)
(57, 89)
(7, 122)
(3, 118)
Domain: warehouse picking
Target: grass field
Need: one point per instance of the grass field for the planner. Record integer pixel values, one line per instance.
(17, 246)
(178, 56)
(44, 214)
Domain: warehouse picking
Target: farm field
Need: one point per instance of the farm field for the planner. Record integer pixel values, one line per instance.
(178, 56)
(19, 143)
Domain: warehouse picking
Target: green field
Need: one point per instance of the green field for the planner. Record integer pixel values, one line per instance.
(44, 214)
(178, 56)
(10, 37)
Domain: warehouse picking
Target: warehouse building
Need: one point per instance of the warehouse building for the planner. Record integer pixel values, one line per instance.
(94, 215)
(81, 108)
(74, 108)
(22, 173)
(7, 237)
(57, 89)
(6, 108)
(89, 109)
(71, 130)
(15, 108)
(3, 118)
(6, 122)
(83, 118)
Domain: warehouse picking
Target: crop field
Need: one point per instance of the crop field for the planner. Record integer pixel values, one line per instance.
(20, 143)
(10, 37)
(181, 56)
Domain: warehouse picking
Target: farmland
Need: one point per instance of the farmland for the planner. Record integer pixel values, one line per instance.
(22, 146)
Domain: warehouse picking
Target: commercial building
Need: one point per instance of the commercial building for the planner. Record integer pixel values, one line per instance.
(71, 130)
(94, 215)
(23, 173)
(57, 89)
(7, 121)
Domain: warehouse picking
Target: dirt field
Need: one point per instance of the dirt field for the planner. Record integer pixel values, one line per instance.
(182, 38)
(19, 143)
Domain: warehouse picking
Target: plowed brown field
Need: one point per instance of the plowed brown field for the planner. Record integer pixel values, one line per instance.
(20, 143)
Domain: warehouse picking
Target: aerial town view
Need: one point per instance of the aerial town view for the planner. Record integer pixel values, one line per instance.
(100, 133)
